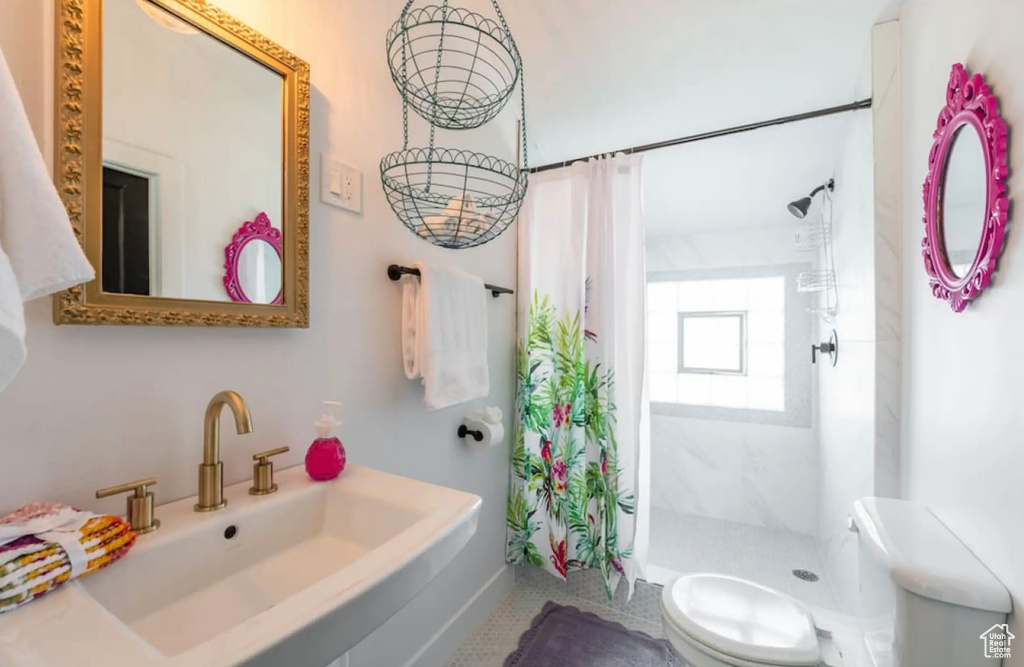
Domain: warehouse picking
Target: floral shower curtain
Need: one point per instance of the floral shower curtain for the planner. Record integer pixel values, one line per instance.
(572, 502)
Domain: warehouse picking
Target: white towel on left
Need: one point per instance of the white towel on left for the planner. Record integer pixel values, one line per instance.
(444, 335)
(12, 324)
(39, 253)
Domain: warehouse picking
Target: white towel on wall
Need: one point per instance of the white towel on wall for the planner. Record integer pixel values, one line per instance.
(444, 335)
(39, 253)
(411, 312)
(12, 324)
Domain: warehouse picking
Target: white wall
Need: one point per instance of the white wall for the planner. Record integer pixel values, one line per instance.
(217, 115)
(888, 159)
(95, 406)
(757, 474)
(962, 449)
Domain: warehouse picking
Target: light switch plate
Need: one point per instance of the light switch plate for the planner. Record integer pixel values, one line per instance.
(341, 185)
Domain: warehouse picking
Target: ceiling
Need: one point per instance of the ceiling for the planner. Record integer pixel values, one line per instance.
(608, 74)
(740, 181)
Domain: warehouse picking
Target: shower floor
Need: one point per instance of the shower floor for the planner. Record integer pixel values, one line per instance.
(683, 543)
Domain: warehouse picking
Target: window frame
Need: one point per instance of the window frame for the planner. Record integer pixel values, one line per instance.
(716, 314)
(800, 331)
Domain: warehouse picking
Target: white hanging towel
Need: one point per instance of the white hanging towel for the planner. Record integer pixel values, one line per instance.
(444, 335)
(39, 253)
(12, 324)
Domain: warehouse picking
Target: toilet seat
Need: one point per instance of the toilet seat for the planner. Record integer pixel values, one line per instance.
(739, 623)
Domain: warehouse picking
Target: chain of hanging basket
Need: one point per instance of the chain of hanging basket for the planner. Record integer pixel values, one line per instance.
(454, 198)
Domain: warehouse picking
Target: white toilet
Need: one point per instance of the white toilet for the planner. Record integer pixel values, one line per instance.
(718, 621)
(926, 601)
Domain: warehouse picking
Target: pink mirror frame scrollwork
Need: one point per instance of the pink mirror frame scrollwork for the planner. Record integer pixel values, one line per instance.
(259, 229)
(969, 101)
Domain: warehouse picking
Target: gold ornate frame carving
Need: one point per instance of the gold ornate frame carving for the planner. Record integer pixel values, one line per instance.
(78, 172)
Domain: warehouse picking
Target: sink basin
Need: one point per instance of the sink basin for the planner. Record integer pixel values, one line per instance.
(328, 562)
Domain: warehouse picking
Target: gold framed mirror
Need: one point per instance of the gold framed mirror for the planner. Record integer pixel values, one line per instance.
(176, 125)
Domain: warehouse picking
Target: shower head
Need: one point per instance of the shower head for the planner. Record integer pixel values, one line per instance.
(801, 207)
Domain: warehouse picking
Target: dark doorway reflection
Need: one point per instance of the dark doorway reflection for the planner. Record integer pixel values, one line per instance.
(126, 268)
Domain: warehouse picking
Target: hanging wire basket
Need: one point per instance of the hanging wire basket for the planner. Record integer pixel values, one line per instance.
(455, 198)
(452, 198)
(456, 68)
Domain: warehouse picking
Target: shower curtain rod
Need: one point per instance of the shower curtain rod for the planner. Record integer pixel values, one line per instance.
(855, 106)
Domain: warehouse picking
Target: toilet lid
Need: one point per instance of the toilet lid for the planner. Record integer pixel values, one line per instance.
(741, 619)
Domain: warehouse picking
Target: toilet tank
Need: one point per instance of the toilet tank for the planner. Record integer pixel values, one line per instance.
(926, 600)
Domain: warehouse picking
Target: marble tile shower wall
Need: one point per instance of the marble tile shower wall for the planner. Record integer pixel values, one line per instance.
(859, 400)
(846, 392)
(754, 474)
(847, 458)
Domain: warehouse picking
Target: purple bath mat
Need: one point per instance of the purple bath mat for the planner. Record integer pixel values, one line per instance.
(567, 637)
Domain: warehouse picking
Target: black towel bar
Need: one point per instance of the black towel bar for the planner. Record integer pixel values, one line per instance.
(395, 272)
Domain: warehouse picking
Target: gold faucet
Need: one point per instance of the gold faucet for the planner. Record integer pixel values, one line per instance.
(211, 470)
(140, 504)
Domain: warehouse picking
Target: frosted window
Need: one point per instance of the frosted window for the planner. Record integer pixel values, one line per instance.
(712, 343)
(695, 296)
(663, 358)
(663, 387)
(662, 327)
(767, 326)
(730, 294)
(662, 297)
(767, 293)
(718, 343)
(766, 360)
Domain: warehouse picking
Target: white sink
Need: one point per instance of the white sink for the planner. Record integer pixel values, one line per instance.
(321, 564)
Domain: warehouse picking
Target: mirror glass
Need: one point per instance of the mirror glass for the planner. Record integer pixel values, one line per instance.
(193, 139)
(964, 194)
(259, 272)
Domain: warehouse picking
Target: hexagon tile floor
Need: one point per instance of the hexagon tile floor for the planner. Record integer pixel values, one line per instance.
(499, 635)
(767, 556)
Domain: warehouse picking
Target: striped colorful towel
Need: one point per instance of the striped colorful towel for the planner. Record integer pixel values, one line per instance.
(33, 565)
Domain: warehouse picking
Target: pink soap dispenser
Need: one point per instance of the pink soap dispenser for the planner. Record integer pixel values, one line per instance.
(326, 457)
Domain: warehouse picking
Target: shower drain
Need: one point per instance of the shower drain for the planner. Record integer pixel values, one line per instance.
(805, 575)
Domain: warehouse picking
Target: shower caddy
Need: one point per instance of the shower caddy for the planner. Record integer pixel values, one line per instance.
(817, 238)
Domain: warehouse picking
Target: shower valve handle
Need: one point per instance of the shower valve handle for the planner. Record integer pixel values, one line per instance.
(824, 348)
(831, 348)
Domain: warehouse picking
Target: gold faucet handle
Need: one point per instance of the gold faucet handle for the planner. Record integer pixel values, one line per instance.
(140, 504)
(263, 472)
(263, 457)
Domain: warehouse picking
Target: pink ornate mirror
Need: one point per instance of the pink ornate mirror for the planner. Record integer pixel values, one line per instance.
(965, 202)
(253, 263)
